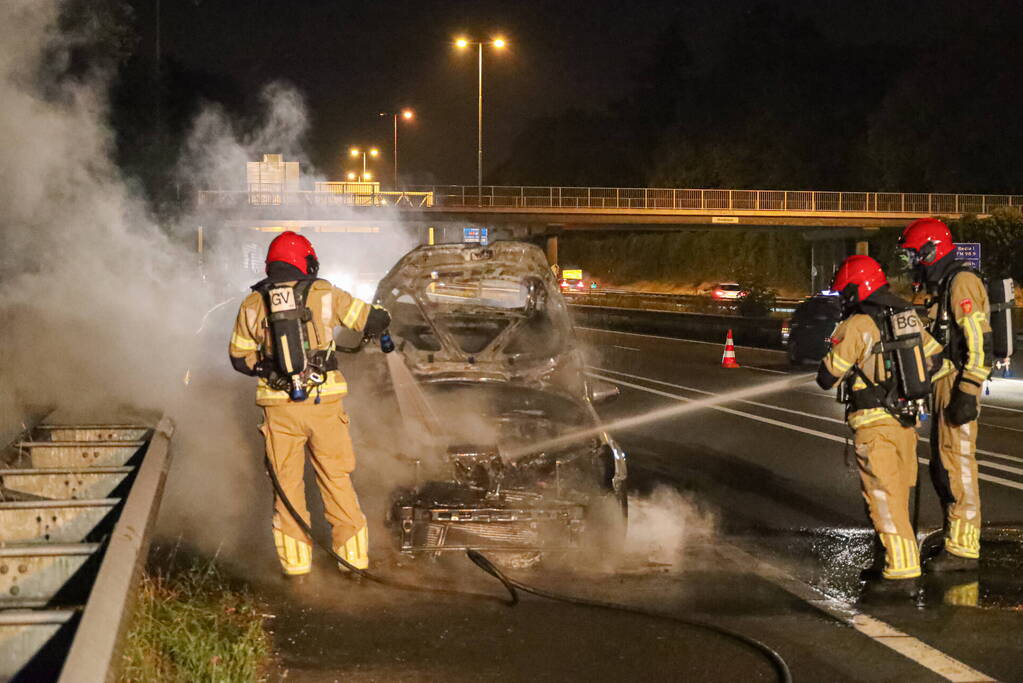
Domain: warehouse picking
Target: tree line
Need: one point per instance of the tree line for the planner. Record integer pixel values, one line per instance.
(782, 105)
(776, 258)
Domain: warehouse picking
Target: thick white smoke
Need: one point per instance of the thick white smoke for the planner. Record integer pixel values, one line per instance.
(662, 524)
(101, 305)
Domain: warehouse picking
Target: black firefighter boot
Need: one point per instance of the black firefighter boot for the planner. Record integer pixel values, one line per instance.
(945, 561)
(874, 571)
(889, 590)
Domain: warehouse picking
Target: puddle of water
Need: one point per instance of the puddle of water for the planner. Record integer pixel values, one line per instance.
(837, 555)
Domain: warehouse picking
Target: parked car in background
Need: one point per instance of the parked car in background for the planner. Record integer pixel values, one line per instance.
(811, 327)
(726, 291)
(574, 280)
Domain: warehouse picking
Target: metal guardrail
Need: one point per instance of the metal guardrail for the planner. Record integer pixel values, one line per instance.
(660, 301)
(77, 503)
(233, 199)
(522, 197)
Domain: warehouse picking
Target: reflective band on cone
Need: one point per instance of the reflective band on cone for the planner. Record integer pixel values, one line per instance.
(728, 359)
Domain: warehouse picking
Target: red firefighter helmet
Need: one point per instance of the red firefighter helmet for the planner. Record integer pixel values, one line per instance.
(863, 272)
(290, 247)
(928, 239)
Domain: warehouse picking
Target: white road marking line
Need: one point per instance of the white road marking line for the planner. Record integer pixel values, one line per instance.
(713, 393)
(751, 348)
(991, 406)
(675, 339)
(879, 631)
(988, 477)
(627, 348)
(722, 409)
(815, 416)
(786, 425)
(994, 426)
(759, 369)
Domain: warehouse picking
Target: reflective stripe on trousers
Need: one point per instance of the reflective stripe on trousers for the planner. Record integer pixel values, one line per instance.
(954, 474)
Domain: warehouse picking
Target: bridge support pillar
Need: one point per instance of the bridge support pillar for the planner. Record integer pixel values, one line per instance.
(863, 248)
(552, 250)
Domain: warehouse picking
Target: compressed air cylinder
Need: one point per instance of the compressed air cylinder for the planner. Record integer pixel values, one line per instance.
(287, 330)
(911, 366)
(1002, 297)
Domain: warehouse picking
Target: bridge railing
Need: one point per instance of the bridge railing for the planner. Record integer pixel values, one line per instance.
(526, 197)
(233, 199)
(498, 196)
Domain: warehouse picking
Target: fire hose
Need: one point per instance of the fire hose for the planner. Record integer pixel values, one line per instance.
(513, 587)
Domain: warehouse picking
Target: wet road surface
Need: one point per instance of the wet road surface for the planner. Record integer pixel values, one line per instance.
(766, 535)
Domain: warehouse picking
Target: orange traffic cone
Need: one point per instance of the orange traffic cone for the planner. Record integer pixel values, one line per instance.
(728, 359)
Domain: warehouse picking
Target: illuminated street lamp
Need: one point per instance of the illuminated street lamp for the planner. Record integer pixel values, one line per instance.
(407, 115)
(498, 43)
(355, 152)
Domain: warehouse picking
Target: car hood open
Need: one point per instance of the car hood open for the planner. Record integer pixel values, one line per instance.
(466, 312)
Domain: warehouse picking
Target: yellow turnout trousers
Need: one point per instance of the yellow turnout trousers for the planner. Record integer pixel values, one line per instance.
(954, 473)
(886, 456)
(287, 429)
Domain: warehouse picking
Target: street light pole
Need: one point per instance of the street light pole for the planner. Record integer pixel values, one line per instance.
(356, 152)
(497, 43)
(479, 130)
(395, 116)
(406, 114)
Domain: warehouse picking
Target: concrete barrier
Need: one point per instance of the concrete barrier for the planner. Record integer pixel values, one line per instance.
(760, 332)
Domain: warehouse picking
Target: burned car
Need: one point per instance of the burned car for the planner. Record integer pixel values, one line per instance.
(504, 443)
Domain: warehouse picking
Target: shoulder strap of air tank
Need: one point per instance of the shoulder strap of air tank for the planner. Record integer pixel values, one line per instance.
(945, 293)
(302, 288)
(885, 346)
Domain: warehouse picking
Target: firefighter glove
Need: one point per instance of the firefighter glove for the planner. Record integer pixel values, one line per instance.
(377, 321)
(962, 408)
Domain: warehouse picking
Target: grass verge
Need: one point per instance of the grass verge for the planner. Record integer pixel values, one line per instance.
(191, 624)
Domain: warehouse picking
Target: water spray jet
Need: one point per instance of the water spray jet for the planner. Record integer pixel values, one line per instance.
(689, 405)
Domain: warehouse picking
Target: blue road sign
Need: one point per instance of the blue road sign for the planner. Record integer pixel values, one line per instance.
(968, 252)
(479, 235)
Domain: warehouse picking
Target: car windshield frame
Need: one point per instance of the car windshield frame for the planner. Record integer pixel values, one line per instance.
(470, 320)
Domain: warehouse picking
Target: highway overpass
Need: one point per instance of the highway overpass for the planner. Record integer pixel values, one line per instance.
(539, 209)
(441, 212)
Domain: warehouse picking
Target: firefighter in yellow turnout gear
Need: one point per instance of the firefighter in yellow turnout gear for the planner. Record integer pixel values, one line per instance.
(959, 318)
(304, 409)
(883, 421)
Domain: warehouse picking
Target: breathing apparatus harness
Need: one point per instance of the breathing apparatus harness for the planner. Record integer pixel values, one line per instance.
(1001, 296)
(292, 366)
(906, 385)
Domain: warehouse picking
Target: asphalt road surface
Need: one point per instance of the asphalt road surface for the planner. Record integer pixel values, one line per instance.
(746, 515)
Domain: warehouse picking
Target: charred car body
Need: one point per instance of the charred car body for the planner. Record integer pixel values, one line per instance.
(485, 333)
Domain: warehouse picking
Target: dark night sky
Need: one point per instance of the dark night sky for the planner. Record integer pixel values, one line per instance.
(352, 59)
